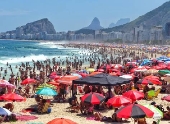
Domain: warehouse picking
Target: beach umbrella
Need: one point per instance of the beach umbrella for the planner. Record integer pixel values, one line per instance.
(4, 111)
(55, 77)
(102, 79)
(157, 113)
(93, 98)
(94, 73)
(134, 111)
(151, 93)
(4, 83)
(12, 97)
(118, 101)
(147, 67)
(61, 121)
(116, 66)
(45, 85)
(106, 67)
(163, 72)
(28, 81)
(130, 77)
(100, 70)
(46, 91)
(167, 98)
(67, 79)
(83, 74)
(53, 73)
(76, 74)
(152, 71)
(166, 79)
(134, 95)
(90, 70)
(53, 83)
(157, 67)
(140, 69)
(114, 74)
(149, 81)
(151, 77)
(133, 64)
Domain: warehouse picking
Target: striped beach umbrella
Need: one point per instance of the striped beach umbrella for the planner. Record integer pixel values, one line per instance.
(93, 98)
(157, 113)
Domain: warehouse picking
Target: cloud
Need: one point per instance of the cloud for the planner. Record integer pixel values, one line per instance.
(13, 12)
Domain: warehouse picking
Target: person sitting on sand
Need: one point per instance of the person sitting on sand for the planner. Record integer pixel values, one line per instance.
(87, 89)
(115, 118)
(75, 105)
(27, 91)
(9, 106)
(40, 105)
(166, 115)
(38, 98)
(82, 106)
(141, 121)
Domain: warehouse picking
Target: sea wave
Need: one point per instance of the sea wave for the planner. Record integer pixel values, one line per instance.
(40, 57)
(31, 57)
(53, 45)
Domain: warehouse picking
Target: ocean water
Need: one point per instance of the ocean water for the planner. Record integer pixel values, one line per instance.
(14, 52)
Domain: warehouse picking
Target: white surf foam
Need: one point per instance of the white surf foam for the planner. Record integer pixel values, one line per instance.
(24, 59)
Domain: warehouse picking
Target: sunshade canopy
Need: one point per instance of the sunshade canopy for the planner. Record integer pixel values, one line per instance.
(102, 79)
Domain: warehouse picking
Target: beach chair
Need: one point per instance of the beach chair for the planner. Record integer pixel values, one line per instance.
(45, 107)
(80, 89)
(157, 92)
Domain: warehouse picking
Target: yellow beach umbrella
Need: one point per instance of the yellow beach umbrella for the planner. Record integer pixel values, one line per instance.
(46, 85)
(90, 69)
(168, 55)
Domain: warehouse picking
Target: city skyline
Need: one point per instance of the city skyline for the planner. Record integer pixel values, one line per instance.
(72, 15)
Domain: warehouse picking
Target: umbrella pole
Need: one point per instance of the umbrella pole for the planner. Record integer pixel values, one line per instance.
(109, 90)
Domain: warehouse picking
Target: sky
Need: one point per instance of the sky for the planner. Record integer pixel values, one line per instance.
(71, 14)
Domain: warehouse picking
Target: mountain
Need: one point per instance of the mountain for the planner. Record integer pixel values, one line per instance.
(43, 25)
(120, 22)
(159, 16)
(95, 25)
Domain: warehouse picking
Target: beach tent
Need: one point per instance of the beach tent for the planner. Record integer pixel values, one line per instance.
(102, 79)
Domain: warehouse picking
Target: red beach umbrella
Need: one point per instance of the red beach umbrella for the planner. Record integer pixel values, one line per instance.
(28, 81)
(134, 95)
(93, 98)
(131, 64)
(61, 121)
(12, 97)
(167, 98)
(116, 66)
(53, 83)
(53, 73)
(83, 74)
(94, 73)
(118, 101)
(151, 77)
(150, 81)
(100, 70)
(67, 79)
(134, 111)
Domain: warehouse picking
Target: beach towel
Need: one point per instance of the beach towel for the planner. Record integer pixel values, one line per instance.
(26, 117)
(90, 118)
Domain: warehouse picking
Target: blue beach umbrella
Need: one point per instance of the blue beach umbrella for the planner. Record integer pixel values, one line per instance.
(145, 62)
(75, 74)
(46, 91)
(4, 111)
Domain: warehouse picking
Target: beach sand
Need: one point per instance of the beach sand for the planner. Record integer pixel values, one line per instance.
(59, 110)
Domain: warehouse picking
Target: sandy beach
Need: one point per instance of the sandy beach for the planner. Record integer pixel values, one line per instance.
(59, 110)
